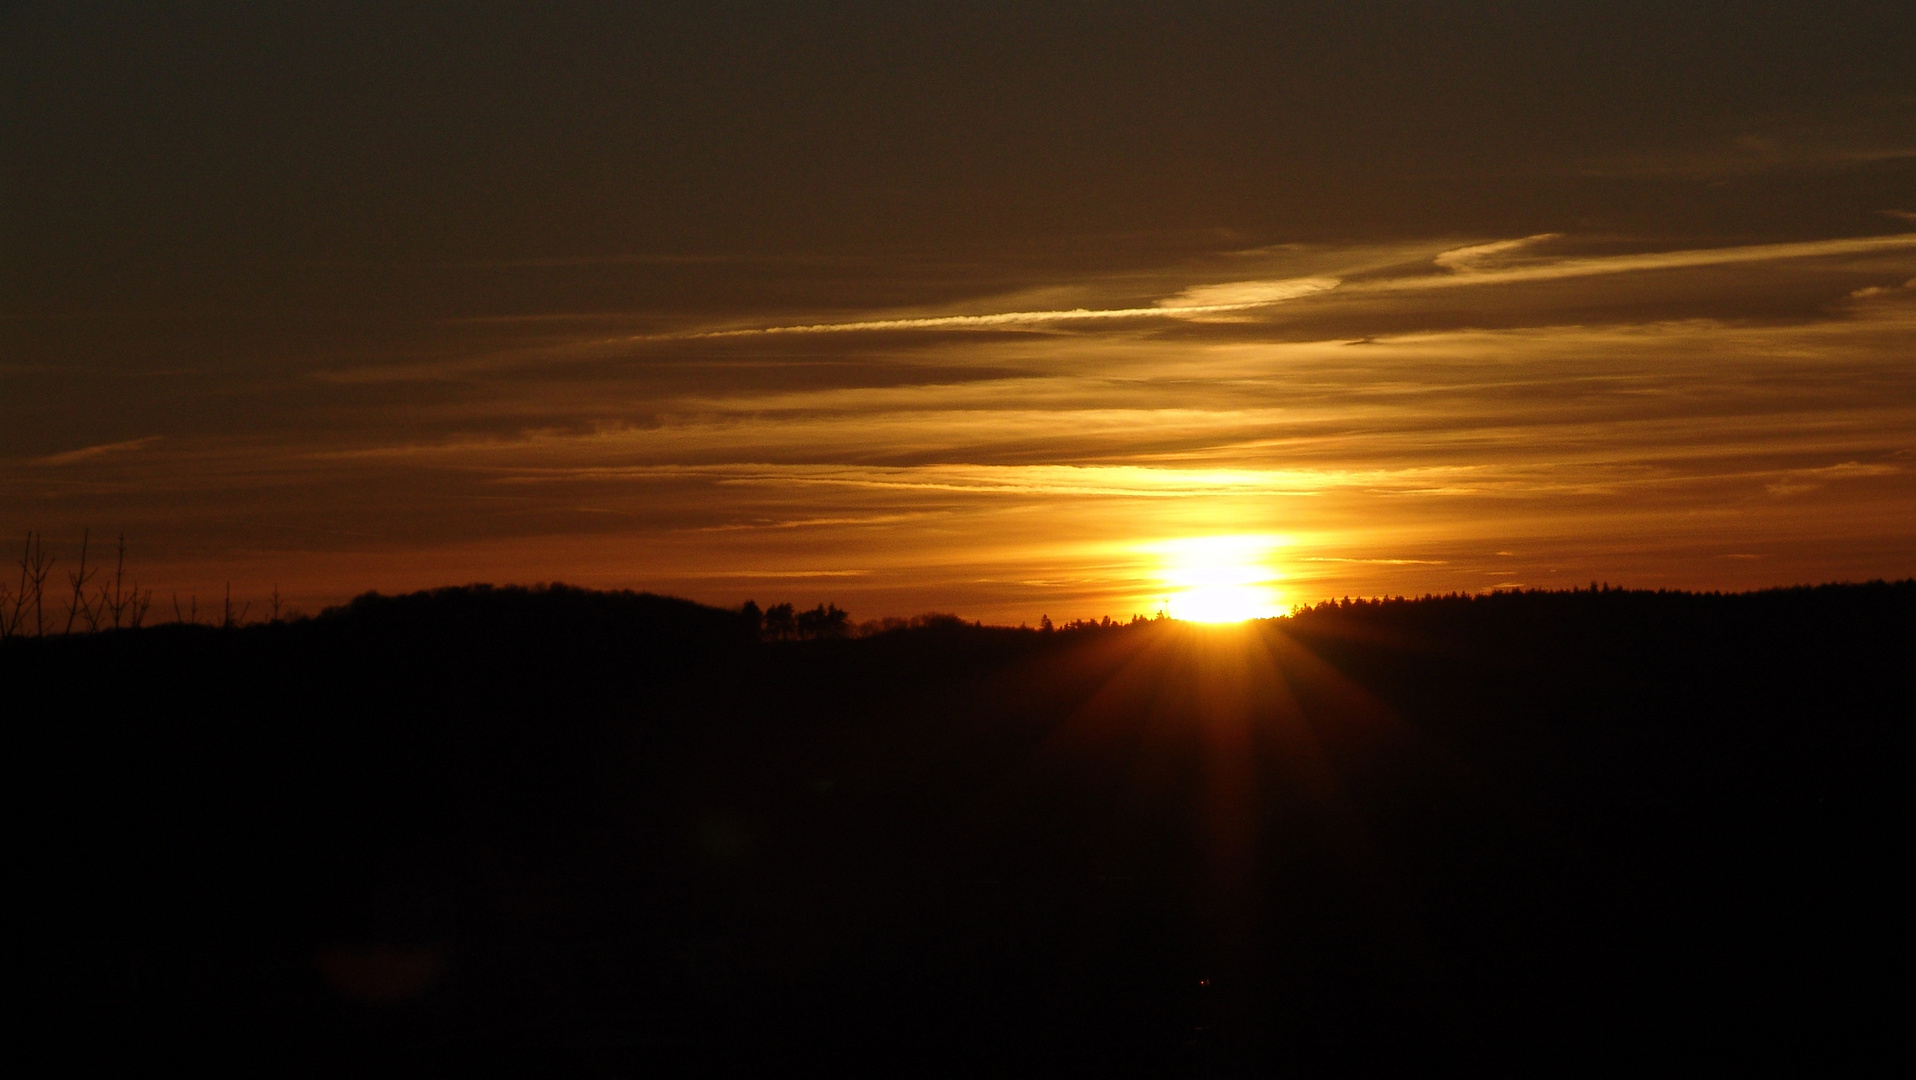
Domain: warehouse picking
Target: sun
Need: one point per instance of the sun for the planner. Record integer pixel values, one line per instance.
(1219, 579)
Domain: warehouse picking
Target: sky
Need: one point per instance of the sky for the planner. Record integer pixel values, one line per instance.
(1003, 310)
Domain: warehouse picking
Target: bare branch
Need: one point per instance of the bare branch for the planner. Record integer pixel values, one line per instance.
(228, 619)
(19, 613)
(115, 602)
(76, 604)
(35, 565)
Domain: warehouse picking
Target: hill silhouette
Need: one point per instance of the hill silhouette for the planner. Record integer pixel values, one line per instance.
(608, 832)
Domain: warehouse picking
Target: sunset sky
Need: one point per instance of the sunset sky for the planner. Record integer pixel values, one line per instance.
(1005, 310)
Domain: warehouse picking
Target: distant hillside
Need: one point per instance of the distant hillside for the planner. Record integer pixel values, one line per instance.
(604, 832)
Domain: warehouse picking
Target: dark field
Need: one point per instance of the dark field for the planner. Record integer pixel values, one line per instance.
(574, 832)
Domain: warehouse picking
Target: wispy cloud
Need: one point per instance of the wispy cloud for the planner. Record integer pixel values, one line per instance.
(1646, 262)
(777, 575)
(1797, 481)
(1243, 295)
(1478, 257)
(1872, 291)
(1199, 300)
(1476, 265)
(1377, 562)
(86, 453)
(1642, 427)
(819, 522)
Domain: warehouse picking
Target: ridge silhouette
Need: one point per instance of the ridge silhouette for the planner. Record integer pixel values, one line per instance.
(602, 832)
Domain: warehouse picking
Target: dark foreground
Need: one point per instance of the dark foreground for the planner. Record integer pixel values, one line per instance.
(580, 833)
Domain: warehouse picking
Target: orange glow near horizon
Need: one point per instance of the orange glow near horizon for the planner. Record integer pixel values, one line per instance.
(1630, 434)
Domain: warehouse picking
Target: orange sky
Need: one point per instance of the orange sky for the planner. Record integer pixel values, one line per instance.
(1584, 342)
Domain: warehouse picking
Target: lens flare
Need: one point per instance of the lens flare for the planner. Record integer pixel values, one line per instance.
(1218, 579)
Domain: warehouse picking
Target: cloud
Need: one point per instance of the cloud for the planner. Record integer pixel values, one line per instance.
(1646, 262)
(1472, 265)
(1796, 481)
(1379, 562)
(1129, 481)
(88, 452)
(1474, 258)
(819, 522)
(780, 574)
(1237, 295)
(1869, 291)
(1198, 300)
(1632, 430)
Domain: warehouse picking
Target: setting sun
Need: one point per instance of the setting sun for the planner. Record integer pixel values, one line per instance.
(1218, 579)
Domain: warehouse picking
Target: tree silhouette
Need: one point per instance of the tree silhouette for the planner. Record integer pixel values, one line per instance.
(824, 621)
(779, 623)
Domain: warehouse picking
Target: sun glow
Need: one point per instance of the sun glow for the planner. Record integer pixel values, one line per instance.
(1217, 579)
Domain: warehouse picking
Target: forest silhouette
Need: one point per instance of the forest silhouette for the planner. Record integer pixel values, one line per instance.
(600, 832)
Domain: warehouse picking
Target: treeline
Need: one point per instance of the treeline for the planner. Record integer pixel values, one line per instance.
(1612, 612)
(93, 596)
(782, 623)
(617, 831)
